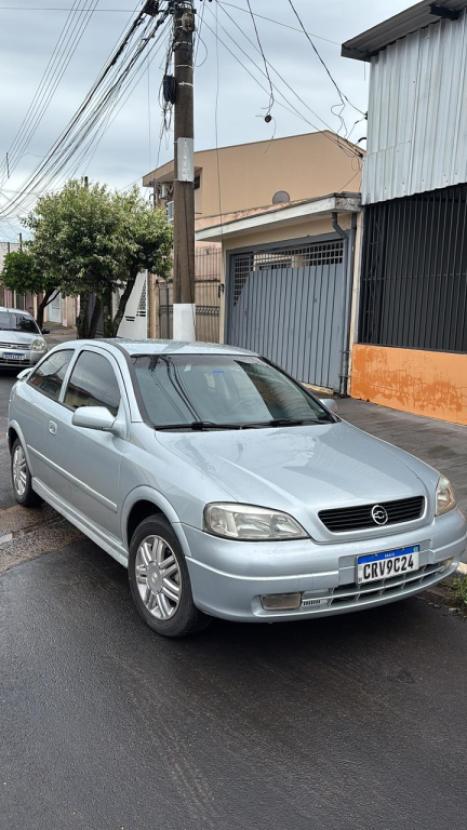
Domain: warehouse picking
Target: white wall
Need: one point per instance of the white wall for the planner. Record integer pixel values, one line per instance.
(134, 324)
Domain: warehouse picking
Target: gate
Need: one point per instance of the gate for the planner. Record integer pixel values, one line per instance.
(290, 304)
(207, 298)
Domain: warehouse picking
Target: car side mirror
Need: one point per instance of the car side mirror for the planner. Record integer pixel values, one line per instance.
(330, 403)
(94, 417)
(45, 331)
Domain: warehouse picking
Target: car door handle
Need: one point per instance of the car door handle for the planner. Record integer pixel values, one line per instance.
(52, 427)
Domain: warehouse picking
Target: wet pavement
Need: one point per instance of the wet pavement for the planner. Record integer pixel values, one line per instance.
(351, 723)
(355, 722)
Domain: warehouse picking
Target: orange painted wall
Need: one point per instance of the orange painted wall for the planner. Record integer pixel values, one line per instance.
(425, 383)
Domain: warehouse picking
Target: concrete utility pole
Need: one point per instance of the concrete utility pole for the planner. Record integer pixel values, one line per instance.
(184, 309)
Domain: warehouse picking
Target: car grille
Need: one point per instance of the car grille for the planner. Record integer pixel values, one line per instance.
(345, 519)
(22, 347)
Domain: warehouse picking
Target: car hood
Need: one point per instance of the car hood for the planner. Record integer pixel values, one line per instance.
(303, 469)
(20, 338)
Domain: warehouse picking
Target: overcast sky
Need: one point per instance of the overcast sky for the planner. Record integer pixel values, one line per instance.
(29, 30)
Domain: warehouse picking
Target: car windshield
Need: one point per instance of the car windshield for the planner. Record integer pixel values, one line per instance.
(10, 321)
(221, 392)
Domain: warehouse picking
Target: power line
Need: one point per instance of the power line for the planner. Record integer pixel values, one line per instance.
(64, 49)
(96, 106)
(342, 96)
(260, 46)
(123, 11)
(289, 106)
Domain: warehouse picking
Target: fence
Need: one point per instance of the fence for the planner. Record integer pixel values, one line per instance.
(207, 298)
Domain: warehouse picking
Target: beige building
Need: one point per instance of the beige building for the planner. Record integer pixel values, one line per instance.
(271, 199)
(249, 177)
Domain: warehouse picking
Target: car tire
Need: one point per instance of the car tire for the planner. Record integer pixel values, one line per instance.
(21, 477)
(159, 580)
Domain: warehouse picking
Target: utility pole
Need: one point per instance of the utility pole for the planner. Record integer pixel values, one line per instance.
(184, 309)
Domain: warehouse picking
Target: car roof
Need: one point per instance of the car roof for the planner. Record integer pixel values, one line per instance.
(144, 347)
(15, 311)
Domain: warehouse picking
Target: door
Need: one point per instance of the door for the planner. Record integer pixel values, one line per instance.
(54, 309)
(290, 304)
(93, 456)
(37, 403)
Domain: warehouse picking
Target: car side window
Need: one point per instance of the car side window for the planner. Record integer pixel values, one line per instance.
(49, 375)
(93, 383)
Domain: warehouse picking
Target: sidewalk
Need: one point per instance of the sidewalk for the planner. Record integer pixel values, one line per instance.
(59, 334)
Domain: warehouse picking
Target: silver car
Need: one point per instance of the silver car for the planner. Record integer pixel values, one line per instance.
(224, 487)
(21, 340)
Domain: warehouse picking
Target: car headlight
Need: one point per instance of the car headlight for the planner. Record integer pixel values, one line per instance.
(249, 523)
(38, 345)
(445, 498)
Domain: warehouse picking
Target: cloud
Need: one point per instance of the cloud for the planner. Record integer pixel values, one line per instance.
(130, 147)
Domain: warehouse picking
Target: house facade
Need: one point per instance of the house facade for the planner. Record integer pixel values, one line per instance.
(411, 349)
(254, 195)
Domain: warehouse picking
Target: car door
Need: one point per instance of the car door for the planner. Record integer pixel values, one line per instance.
(38, 411)
(93, 457)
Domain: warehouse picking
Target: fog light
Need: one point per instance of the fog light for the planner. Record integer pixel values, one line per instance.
(281, 602)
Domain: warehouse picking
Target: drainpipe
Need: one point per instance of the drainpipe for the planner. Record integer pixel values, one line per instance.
(349, 237)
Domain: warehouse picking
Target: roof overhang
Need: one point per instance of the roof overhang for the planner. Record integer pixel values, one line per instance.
(369, 43)
(313, 208)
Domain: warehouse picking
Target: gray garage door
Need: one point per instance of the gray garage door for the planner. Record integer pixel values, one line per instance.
(291, 305)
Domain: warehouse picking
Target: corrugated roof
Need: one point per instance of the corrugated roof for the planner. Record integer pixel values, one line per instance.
(369, 43)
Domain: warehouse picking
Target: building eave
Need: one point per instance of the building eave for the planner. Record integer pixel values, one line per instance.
(324, 205)
(369, 43)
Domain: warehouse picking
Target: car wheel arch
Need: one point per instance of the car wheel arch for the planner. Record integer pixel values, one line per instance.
(12, 436)
(144, 502)
(15, 432)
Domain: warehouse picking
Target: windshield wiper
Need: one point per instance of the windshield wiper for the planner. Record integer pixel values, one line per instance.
(198, 426)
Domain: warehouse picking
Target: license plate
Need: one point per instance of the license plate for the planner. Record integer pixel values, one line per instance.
(14, 355)
(390, 563)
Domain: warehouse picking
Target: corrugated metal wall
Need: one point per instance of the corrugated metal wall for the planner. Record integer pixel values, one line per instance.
(417, 130)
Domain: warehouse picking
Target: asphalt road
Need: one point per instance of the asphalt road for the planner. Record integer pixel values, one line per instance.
(353, 722)
(356, 722)
(7, 379)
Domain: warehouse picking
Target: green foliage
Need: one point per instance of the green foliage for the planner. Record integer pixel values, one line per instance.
(459, 586)
(20, 273)
(89, 240)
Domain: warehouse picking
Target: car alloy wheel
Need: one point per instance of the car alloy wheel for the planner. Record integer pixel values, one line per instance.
(159, 580)
(21, 477)
(19, 470)
(158, 577)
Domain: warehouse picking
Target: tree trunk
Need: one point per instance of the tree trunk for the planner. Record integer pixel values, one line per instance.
(107, 311)
(96, 313)
(122, 303)
(82, 322)
(46, 299)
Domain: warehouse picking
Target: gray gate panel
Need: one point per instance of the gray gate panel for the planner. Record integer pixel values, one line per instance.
(288, 304)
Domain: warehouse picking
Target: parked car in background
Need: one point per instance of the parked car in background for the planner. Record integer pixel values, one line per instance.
(21, 340)
(225, 487)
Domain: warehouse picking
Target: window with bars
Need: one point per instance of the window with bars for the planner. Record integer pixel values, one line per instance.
(414, 272)
(314, 254)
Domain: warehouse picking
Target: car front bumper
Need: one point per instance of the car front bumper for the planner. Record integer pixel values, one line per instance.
(20, 357)
(229, 578)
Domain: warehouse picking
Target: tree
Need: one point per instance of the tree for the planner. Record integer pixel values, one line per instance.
(145, 244)
(92, 243)
(22, 273)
